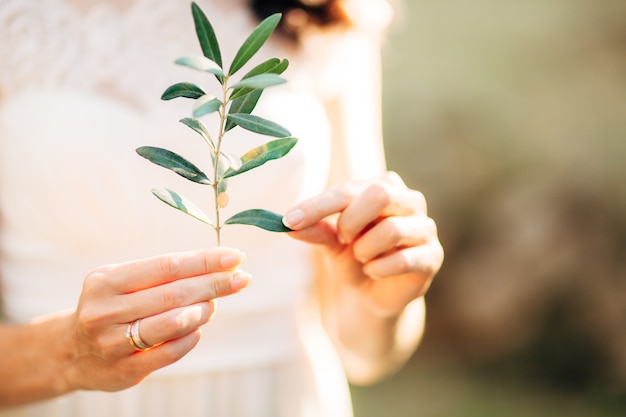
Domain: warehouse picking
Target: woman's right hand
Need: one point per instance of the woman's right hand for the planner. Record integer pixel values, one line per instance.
(172, 295)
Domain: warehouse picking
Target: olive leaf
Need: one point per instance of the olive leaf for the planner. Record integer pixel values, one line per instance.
(200, 63)
(238, 100)
(206, 35)
(243, 105)
(205, 105)
(258, 125)
(222, 166)
(199, 128)
(233, 163)
(244, 100)
(174, 162)
(281, 67)
(271, 66)
(261, 154)
(254, 42)
(264, 219)
(182, 204)
(187, 90)
(259, 81)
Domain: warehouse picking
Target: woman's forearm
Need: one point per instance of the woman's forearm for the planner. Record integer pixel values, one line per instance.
(33, 360)
(89, 350)
(371, 346)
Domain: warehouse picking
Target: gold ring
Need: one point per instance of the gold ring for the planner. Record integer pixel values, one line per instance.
(135, 340)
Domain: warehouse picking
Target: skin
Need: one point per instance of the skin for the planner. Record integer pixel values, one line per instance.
(379, 253)
(82, 349)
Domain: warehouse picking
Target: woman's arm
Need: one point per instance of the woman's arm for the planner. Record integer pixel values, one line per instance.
(379, 250)
(33, 358)
(371, 345)
(378, 255)
(87, 349)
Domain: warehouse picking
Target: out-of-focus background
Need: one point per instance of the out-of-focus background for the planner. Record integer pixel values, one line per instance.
(510, 116)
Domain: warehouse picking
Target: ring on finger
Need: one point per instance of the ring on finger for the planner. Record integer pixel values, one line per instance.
(134, 338)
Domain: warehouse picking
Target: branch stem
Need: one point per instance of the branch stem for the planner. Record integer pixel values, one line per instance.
(217, 175)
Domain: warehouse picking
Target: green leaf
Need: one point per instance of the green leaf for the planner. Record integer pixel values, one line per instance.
(232, 161)
(174, 162)
(187, 90)
(261, 154)
(206, 35)
(263, 68)
(222, 185)
(244, 100)
(264, 219)
(200, 128)
(175, 200)
(244, 104)
(258, 125)
(272, 65)
(281, 67)
(254, 42)
(205, 105)
(222, 166)
(259, 81)
(200, 63)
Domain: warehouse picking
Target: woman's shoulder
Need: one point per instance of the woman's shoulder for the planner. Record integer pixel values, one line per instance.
(373, 16)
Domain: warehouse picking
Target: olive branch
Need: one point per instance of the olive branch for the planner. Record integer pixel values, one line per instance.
(234, 107)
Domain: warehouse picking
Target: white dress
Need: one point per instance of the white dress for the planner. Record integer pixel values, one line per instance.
(79, 91)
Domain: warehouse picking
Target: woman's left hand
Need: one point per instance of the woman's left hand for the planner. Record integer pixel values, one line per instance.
(377, 238)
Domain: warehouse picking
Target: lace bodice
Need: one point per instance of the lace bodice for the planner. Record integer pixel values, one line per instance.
(121, 52)
(125, 49)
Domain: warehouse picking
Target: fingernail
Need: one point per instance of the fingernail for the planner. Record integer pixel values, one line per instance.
(232, 259)
(239, 281)
(293, 218)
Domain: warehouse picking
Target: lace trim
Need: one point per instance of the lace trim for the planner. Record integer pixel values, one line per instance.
(53, 43)
(127, 53)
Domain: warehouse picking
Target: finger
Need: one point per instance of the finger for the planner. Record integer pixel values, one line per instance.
(394, 232)
(145, 362)
(183, 292)
(376, 201)
(424, 260)
(331, 201)
(392, 177)
(311, 211)
(174, 324)
(150, 272)
(157, 329)
(127, 369)
(401, 201)
(414, 198)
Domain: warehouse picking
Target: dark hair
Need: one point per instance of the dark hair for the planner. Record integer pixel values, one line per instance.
(300, 14)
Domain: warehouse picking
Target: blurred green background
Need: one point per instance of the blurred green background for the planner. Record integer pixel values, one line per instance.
(510, 116)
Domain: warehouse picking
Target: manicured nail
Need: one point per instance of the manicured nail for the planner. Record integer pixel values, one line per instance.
(239, 280)
(293, 218)
(232, 259)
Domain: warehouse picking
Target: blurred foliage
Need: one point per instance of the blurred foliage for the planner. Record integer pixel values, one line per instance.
(435, 387)
(511, 117)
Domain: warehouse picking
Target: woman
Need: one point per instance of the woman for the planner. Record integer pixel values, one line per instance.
(340, 296)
